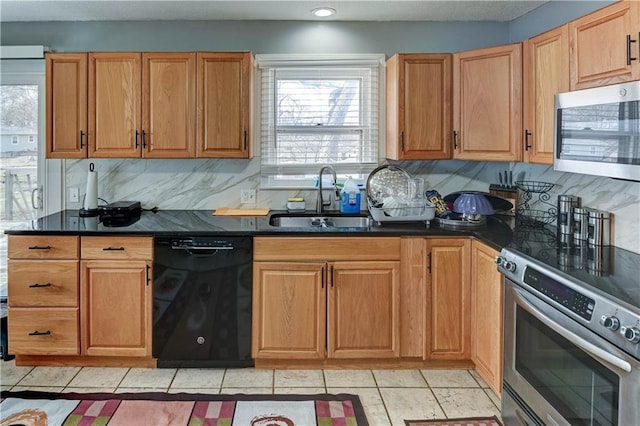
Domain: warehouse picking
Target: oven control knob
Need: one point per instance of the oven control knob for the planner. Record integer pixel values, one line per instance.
(632, 334)
(610, 322)
(500, 260)
(510, 266)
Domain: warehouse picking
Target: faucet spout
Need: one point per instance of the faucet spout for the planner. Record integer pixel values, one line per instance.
(320, 203)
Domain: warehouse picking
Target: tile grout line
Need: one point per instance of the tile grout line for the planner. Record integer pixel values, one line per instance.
(384, 404)
(434, 395)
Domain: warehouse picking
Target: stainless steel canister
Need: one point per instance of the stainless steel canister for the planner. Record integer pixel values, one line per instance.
(599, 232)
(580, 226)
(566, 204)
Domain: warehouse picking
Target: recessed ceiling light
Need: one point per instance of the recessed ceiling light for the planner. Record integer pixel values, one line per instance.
(323, 12)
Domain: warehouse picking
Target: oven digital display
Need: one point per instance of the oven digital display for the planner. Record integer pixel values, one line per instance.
(560, 293)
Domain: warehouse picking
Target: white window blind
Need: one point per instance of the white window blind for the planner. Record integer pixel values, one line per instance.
(318, 110)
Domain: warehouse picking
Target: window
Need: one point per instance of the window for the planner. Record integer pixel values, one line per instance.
(316, 111)
(32, 139)
(14, 140)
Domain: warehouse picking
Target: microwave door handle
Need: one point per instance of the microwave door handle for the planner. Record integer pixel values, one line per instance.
(573, 338)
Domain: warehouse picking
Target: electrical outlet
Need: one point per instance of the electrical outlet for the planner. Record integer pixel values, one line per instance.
(74, 195)
(248, 196)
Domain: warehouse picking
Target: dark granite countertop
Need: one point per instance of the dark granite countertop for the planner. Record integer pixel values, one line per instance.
(497, 232)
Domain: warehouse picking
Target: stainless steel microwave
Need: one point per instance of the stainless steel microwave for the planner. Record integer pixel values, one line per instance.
(597, 131)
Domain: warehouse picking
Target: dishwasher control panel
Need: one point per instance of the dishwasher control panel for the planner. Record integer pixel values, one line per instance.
(201, 243)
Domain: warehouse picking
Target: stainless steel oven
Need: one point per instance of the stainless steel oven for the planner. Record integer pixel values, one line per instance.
(571, 349)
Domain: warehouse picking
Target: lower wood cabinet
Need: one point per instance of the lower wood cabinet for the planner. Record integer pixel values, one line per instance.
(80, 300)
(486, 314)
(448, 319)
(43, 295)
(329, 309)
(289, 309)
(305, 309)
(116, 296)
(363, 311)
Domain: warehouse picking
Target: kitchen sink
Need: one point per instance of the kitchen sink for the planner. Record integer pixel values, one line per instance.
(304, 220)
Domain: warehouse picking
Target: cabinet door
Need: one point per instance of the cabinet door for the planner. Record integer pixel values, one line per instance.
(289, 310)
(448, 300)
(419, 107)
(115, 128)
(169, 105)
(66, 105)
(224, 104)
(545, 72)
(363, 313)
(487, 104)
(486, 315)
(601, 51)
(116, 308)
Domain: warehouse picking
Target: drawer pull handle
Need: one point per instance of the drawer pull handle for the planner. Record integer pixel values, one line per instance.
(113, 249)
(40, 333)
(36, 285)
(40, 248)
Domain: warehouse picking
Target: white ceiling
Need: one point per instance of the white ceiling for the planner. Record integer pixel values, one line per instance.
(298, 10)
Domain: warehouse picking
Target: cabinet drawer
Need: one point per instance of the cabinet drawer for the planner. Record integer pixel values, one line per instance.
(43, 283)
(104, 248)
(44, 331)
(42, 247)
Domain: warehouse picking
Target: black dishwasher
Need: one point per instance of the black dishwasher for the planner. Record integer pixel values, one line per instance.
(202, 301)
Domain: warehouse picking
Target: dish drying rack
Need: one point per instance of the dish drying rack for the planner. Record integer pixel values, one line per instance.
(402, 214)
(387, 192)
(535, 218)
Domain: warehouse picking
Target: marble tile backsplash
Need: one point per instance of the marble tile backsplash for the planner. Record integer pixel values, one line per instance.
(208, 184)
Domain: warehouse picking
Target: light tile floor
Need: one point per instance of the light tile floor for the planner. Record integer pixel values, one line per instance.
(388, 396)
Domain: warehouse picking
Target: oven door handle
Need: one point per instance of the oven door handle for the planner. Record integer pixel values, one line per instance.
(570, 336)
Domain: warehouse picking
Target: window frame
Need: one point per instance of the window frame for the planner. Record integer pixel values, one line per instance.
(314, 66)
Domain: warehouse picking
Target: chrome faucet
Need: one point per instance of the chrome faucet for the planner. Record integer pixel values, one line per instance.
(320, 202)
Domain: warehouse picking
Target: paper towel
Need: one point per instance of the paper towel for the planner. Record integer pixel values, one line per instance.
(91, 196)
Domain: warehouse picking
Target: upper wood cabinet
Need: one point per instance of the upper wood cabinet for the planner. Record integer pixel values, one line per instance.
(487, 104)
(145, 105)
(224, 104)
(486, 314)
(419, 106)
(448, 318)
(545, 73)
(168, 105)
(605, 46)
(115, 114)
(66, 100)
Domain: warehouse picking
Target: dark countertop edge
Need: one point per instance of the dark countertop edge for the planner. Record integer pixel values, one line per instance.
(390, 229)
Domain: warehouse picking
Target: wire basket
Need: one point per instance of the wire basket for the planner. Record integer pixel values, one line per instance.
(535, 218)
(534, 186)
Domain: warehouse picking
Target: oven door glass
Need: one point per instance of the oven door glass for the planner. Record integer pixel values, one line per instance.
(582, 390)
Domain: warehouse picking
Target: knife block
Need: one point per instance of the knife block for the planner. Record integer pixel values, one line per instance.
(508, 193)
